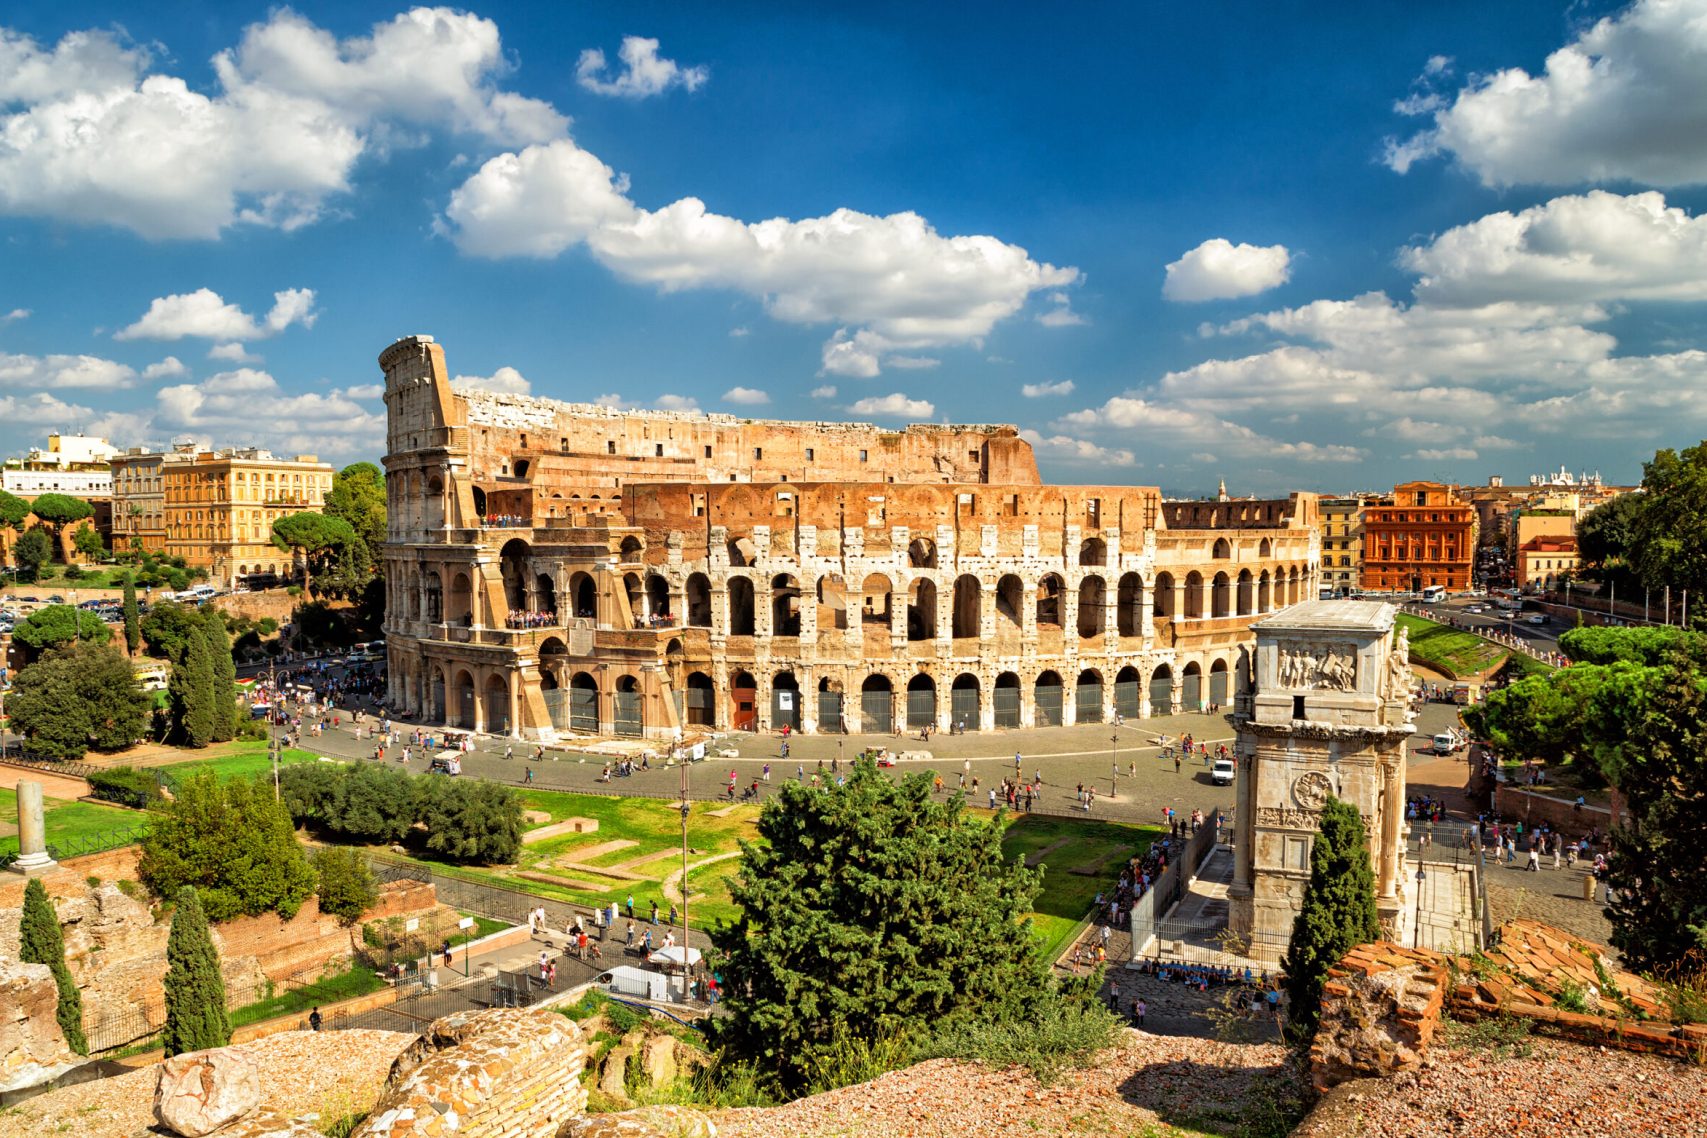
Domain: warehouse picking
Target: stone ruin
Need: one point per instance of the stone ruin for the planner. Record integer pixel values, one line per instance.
(1380, 1010)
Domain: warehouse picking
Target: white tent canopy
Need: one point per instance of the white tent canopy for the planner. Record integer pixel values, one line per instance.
(673, 955)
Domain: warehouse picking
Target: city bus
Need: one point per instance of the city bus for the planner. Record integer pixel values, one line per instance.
(1433, 593)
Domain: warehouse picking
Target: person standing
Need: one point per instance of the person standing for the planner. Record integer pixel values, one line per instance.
(314, 1020)
(1139, 1010)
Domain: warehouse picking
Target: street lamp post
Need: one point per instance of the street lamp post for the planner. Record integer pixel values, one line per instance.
(685, 958)
(1416, 933)
(1114, 761)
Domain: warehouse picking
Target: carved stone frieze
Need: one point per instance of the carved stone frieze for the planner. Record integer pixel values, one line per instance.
(1326, 667)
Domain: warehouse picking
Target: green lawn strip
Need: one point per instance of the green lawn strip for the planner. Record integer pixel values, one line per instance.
(358, 981)
(69, 821)
(1453, 650)
(1066, 896)
(247, 760)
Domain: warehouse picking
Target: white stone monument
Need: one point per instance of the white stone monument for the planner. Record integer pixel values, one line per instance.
(32, 832)
(1327, 713)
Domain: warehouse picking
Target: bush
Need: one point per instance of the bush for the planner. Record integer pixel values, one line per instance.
(233, 843)
(464, 819)
(80, 697)
(469, 820)
(347, 888)
(195, 989)
(127, 786)
(1065, 1034)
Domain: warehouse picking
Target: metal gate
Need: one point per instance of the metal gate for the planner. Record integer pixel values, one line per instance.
(830, 711)
(877, 711)
(1191, 692)
(921, 707)
(699, 709)
(1048, 706)
(625, 709)
(557, 707)
(1218, 688)
(1126, 702)
(1007, 707)
(1162, 695)
(1087, 703)
(584, 710)
(785, 709)
(963, 704)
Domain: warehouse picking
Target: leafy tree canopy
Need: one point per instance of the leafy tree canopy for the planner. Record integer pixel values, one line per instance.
(87, 541)
(233, 843)
(321, 541)
(58, 625)
(1633, 645)
(168, 628)
(60, 509)
(13, 510)
(358, 497)
(79, 698)
(871, 912)
(33, 549)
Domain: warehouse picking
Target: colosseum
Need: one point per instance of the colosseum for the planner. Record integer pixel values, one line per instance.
(560, 570)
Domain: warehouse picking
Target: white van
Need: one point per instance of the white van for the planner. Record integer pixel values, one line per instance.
(1445, 743)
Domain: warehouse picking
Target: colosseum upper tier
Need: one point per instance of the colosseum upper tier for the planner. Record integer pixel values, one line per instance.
(558, 569)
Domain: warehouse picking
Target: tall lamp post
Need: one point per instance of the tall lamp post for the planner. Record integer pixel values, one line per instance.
(1417, 932)
(1114, 761)
(686, 761)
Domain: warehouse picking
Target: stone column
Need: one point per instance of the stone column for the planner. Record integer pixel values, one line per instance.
(32, 832)
(1392, 815)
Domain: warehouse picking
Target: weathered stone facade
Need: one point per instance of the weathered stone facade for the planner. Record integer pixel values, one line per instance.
(676, 571)
(1328, 714)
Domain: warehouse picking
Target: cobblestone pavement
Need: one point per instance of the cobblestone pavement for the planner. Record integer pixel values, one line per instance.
(1552, 896)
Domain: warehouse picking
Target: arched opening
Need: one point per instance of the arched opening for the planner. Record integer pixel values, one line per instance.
(740, 606)
(436, 695)
(742, 552)
(1093, 551)
(1191, 688)
(635, 590)
(875, 603)
(1092, 607)
(968, 607)
(432, 598)
(585, 594)
(921, 553)
(1247, 593)
(699, 600)
(627, 707)
(1046, 697)
(497, 706)
(583, 704)
(464, 701)
(830, 707)
(435, 502)
(513, 566)
(785, 606)
(1127, 697)
(921, 702)
(1292, 585)
(1161, 691)
(545, 595)
(1050, 587)
(1004, 701)
(632, 547)
(553, 660)
(1218, 685)
(921, 610)
(1129, 605)
(1223, 550)
(1221, 596)
(1087, 697)
(521, 467)
(832, 602)
(1166, 595)
(658, 599)
(1010, 602)
(461, 610)
(1193, 595)
(785, 702)
(1265, 549)
(877, 705)
(743, 696)
(1265, 595)
(479, 496)
(701, 701)
(963, 702)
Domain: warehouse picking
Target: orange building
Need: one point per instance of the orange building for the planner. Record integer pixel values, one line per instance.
(1426, 537)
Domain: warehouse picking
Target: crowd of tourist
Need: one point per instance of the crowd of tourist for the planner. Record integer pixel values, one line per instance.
(526, 618)
(505, 521)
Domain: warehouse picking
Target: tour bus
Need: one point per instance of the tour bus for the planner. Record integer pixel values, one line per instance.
(1433, 593)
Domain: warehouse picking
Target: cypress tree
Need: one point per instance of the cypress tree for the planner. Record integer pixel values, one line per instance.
(1338, 913)
(132, 619)
(40, 942)
(223, 690)
(195, 990)
(192, 693)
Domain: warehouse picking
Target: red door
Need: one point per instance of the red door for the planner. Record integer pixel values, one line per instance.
(746, 717)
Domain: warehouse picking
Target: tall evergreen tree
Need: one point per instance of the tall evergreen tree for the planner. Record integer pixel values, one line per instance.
(132, 618)
(1338, 913)
(195, 990)
(191, 692)
(223, 690)
(41, 942)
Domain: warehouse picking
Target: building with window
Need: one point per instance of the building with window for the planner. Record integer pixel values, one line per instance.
(1342, 542)
(74, 465)
(1546, 562)
(558, 570)
(1427, 536)
(218, 509)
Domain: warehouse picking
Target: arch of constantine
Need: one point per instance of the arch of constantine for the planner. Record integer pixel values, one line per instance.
(558, 569)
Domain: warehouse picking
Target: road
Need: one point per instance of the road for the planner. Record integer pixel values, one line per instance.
(1543, 637)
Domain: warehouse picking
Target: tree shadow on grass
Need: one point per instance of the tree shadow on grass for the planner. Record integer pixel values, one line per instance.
(1238, 1101)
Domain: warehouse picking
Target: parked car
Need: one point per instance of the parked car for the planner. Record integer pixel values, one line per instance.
(1222, 773)
(1538, 618)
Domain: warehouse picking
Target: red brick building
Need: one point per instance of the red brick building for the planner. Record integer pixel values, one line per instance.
(1426, 537)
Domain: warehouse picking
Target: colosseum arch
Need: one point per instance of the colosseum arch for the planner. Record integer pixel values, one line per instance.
(921, 610)
(1050, 592)
(921, 702)
(832, 602)
(877, 704)
(513, 561)
(1167, 595)
(785, 605)
(1005, 700)
(585, 595)
(877, 600)
(701, 701)
(1046, 699)
(1246, 595)
(657, 595)
(964, 702)
(1191, 687)
(1265, 592)
(1221, 596)
(463, 686)
(1223, 549)
(921, 553)
(1193, 595)
(1093, 551)
(1128, 699)
(461, 606)
(1265, 550)
(497, 705)
(968, 607)
(1129, 605)
(1087, 697)
(1161, 690)
(1093, 600)
(699, 600)
(1219, 687)
(631, 549)
(740, 606)
(544, 593)
(1010, 602)
(435, 503)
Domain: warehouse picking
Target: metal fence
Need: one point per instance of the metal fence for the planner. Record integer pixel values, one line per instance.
(494, 901)
(1148, 911)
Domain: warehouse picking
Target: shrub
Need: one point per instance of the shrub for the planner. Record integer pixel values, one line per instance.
(127, 786)
(1337, 913)
(40, 941)
(1065, 1034)
(195, 989)
(469, 820)
(233, 843)
(346, 885)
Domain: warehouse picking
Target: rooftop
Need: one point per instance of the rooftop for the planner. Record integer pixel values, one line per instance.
(1337, 614)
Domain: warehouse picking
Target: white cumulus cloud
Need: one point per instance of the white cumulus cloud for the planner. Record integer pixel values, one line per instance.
(205, 314)
(1219, 269)
(644, 73)
(249, 407)
(232, 353)
(1061, 315)
(506, 381)
(1068, 450)
(1046, 389)
(169, 368)
(63, 371)
(746, 395)
(827, 391)
(893, 406)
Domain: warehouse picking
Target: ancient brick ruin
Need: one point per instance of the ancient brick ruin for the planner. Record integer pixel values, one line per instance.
(564, 568)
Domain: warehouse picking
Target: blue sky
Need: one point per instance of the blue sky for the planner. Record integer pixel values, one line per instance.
(1294, 246)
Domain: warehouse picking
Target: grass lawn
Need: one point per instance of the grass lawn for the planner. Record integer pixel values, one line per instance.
(52, 579)
(238, 760)
(67, 821)
(358, 981)
(1452, 650)
(1079, 858)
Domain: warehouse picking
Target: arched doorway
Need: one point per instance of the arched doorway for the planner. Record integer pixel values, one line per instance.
(1127, 700)
(1194, 595)
(460, 611)
(1010, 601)
(832, 602)
(921, 702)
(968, 605)
(699, 600)
(1161, 691)
(963, 702)
(921, 610)
(1247, 593)
(628, 715)
(785, 702)
(1218, 684)
(583, 704)
(1221, 596)
(497, 706)
(1165, 595)
(1191, 688)
(513, 566)
(1046, 697)
(1087, 697)
(1049, 590)
(877, 705)
(465, 701)
(658, 598)
(875, 609)
(586, 595)
(740, 607)
(545, 594)
(830, 707)
(1092, 597)
(785, 606)
(743, 699)
(701, 702)
(1004, 701)
(1129, 613)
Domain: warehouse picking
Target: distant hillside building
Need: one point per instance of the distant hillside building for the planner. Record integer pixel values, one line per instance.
(1427, 536)
(74, 465)
(1342, 542)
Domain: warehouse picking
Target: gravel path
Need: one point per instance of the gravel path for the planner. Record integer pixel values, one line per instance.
(333, 1073)
(1142, 1086)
